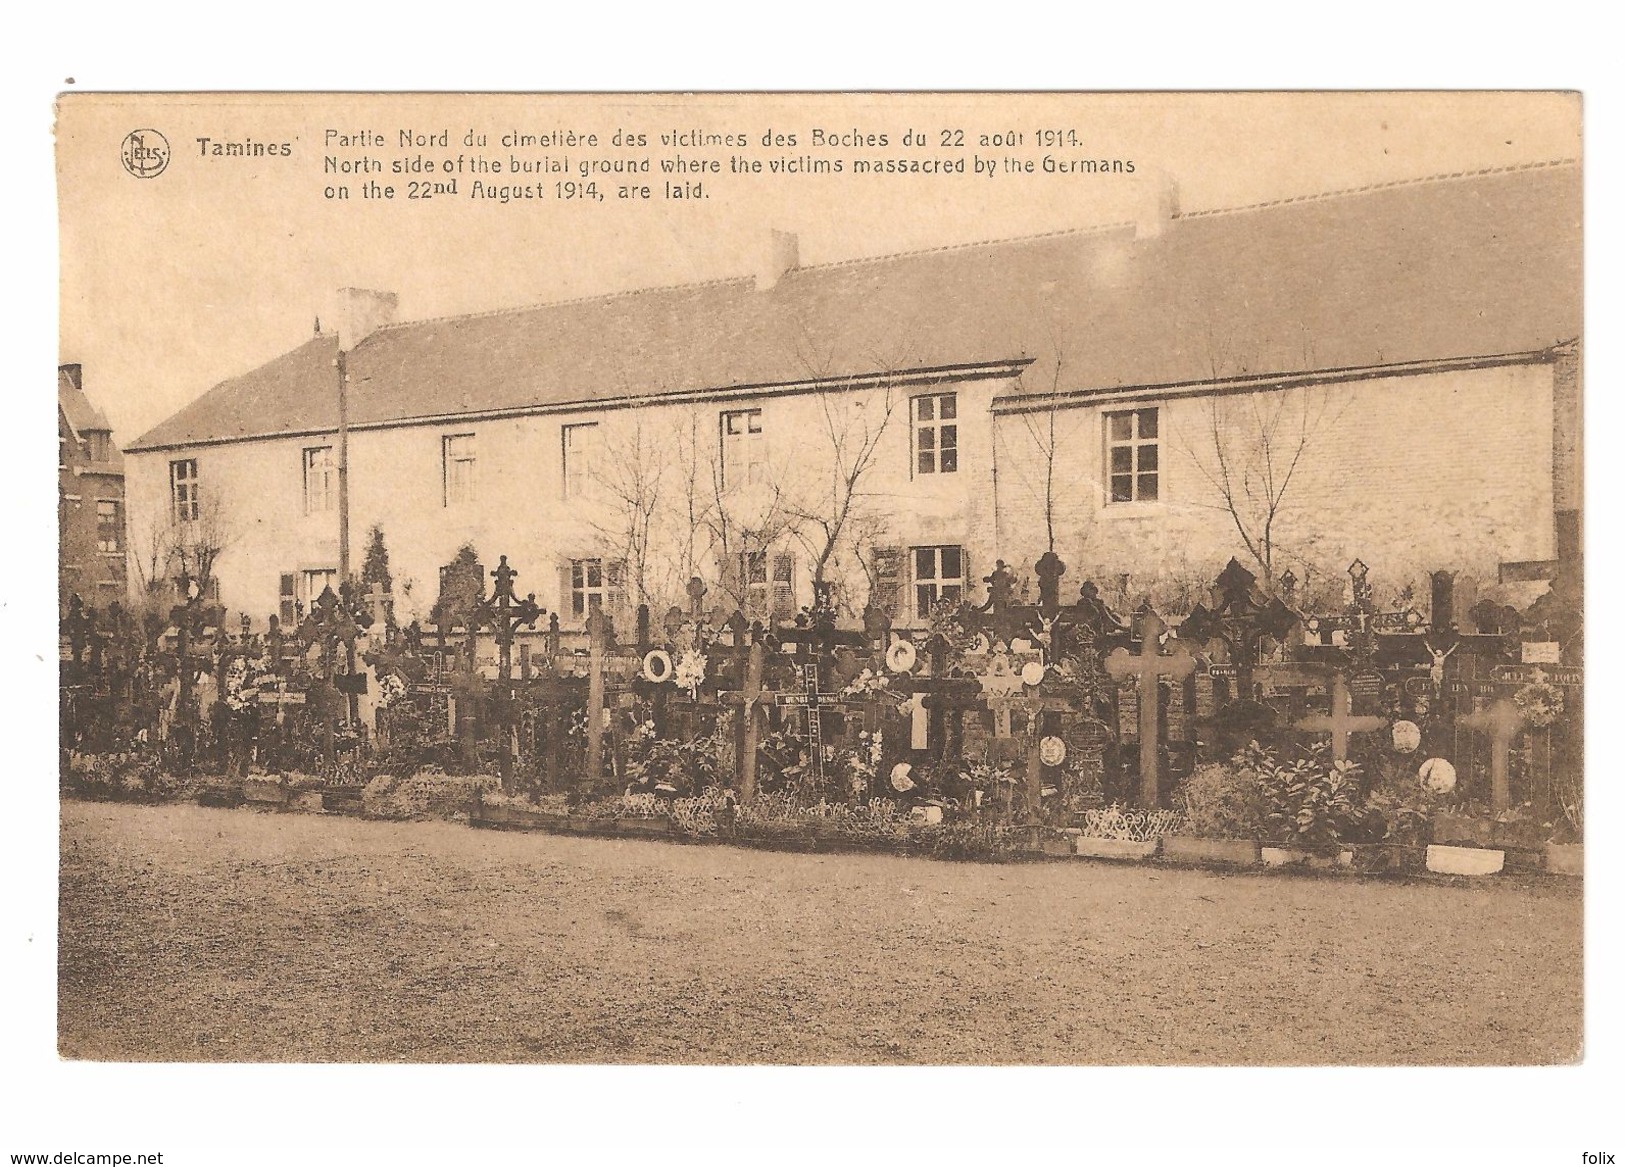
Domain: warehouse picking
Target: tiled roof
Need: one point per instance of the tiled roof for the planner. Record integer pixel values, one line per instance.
(1467, 265)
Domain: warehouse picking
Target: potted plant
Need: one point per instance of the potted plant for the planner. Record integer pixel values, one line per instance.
(1220, 814)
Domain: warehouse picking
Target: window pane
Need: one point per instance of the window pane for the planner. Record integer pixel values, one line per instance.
(926, 407)
(923, 596)
(1122, 459)
(1122, 491)
(1120, 426)
(731, 422)
(595, 574)
(1148, 487)
(950, 460)
(950, 408)
(1148, 457)
(755, 421)
(950, 436)
(925, 563)
(951, 593)
(927, 462)
(928, 438)
(1148, 423)
(950, 563)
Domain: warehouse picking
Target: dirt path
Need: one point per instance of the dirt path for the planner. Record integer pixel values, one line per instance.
(211, 935)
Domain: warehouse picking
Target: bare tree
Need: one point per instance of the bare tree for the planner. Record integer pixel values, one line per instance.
(632, 482)
(1252, 448)
(838, 505)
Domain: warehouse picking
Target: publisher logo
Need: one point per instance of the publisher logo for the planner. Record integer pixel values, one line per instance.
(145, 153)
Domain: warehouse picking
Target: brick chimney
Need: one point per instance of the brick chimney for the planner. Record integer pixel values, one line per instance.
(782, 256)
(74, 374)
(363, 312)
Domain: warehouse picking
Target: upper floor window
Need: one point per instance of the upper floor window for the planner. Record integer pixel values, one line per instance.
(321, 479)
(936, 433)
(1131, 455)
(109, 525)
(457, 468)
(580, 457)
(183, 490)
(744, 458)
(939, 574)
(99, 445)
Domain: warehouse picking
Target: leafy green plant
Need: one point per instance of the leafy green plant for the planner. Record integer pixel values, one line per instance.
(1312, 802)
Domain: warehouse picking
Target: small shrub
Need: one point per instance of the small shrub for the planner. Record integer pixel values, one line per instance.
(1221, 800)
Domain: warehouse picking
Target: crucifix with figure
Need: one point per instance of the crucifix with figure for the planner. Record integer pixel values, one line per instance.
(1502, 721)
(1340, 723)
(1146, 669)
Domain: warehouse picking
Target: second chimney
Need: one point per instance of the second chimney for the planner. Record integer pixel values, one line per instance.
(363, 312)
(783, 256)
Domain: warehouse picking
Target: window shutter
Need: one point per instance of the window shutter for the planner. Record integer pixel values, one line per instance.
(616, 602)
(783, 582)
(889, 581)
(567, 615)
(285, 610)
(733, 589)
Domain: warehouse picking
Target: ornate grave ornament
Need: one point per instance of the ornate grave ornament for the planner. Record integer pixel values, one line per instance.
(1437, 776)
(1407, 737)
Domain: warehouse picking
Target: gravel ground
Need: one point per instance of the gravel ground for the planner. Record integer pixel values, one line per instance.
(214, 935)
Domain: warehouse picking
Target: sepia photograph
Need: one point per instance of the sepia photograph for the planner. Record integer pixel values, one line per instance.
(830, 579)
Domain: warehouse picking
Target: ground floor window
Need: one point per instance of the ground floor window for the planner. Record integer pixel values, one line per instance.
(939, 574)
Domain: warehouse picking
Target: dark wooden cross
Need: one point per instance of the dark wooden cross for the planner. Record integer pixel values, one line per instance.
(814, 702)
(1502, 721)
(1146, 670)
(504, 613)
(747, 698)
(1340, 723)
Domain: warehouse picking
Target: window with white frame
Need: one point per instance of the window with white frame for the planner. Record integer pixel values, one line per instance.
(313, 581)
(936, 433)
(744, 454)
(183, 490)
(581, 451)
(109, 525)
(939, 574)
(321, 479)
(588, 586)
(457, 468)
(1132, 462)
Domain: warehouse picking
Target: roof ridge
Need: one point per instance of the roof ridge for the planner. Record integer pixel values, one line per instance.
(535, 307)
(1345, 192)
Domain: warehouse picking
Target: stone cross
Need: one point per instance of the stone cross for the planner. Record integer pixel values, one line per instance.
(1501, 721)
(1146, 669)
(1340, 723)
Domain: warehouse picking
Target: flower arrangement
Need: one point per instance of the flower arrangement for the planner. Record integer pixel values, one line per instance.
(690, 672)
(867, 683)
(391, 688)
(1540, 702)
(863, 762)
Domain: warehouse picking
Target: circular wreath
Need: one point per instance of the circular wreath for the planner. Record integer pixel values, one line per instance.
(1540, 702)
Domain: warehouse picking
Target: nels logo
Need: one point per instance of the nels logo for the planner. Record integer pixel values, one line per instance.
(145, 153)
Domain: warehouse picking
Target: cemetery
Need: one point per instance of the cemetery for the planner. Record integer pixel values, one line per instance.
(1029, 721)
